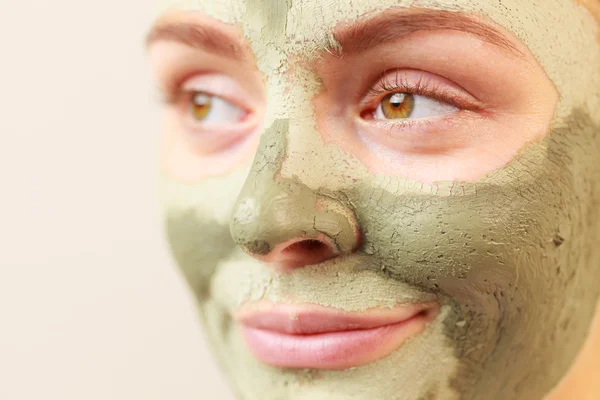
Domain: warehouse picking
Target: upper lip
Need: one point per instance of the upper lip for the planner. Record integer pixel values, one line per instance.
(311, 319)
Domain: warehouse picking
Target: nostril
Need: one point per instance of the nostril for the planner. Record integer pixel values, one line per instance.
(309, 245)
(302, 252)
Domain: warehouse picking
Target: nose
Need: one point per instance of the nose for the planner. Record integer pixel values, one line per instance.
(283, 222)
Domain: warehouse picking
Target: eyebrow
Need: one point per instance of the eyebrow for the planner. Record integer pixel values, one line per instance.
(348, 38)
(203, 37)
(355, 38)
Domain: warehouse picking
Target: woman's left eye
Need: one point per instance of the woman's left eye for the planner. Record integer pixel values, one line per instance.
(209, 109)
(401, 105)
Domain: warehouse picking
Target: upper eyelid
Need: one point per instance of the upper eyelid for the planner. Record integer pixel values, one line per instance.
(423, 85)
(182, 95)
(240, 98)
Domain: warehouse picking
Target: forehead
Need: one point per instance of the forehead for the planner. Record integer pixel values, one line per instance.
(561, 34)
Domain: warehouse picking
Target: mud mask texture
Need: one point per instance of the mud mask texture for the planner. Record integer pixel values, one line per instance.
(511, 258)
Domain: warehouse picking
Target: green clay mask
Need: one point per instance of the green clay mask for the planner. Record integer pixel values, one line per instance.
(509, 256)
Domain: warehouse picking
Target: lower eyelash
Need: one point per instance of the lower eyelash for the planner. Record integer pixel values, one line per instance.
(398, 124)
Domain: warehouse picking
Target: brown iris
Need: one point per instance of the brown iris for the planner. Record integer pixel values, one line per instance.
(398, 105)
(201, 105)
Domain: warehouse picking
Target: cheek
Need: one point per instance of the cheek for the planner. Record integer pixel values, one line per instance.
(480, 249)
(199, 244)
(196, 217)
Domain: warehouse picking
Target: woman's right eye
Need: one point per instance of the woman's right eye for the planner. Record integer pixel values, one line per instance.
(404, 105)
(207, 109)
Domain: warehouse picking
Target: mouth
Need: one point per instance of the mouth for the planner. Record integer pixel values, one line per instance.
(316, 337)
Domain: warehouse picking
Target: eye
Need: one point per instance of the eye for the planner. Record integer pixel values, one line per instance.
(403, 105)
(209, 109)
(212, 112)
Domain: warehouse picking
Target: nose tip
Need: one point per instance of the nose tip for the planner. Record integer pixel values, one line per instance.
(288, 233)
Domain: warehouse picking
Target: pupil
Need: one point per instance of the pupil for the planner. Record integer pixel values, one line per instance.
(397, 100)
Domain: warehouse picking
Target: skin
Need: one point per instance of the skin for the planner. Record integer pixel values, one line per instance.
(496, 221)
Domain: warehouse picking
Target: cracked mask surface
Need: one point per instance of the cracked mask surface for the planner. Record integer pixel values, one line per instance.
(511, 257)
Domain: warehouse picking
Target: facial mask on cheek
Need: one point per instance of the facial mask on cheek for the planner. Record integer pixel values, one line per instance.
(197, 217)
(514, 254)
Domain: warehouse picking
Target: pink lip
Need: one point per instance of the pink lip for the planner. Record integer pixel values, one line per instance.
(311, 336)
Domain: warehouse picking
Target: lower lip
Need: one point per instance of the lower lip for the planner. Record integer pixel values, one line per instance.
(332, 350)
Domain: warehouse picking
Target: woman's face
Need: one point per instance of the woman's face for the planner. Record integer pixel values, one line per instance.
(385, 199)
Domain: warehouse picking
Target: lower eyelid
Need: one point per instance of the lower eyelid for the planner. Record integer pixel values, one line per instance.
(418, 135)
(442, 122)
(404, 123)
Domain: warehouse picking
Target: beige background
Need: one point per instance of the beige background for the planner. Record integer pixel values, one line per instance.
(91, 306)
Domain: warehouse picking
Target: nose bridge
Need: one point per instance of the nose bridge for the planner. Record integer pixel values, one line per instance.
(272, 210)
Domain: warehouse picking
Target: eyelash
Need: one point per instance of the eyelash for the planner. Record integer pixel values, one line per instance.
(182, 99)
(423, 87)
